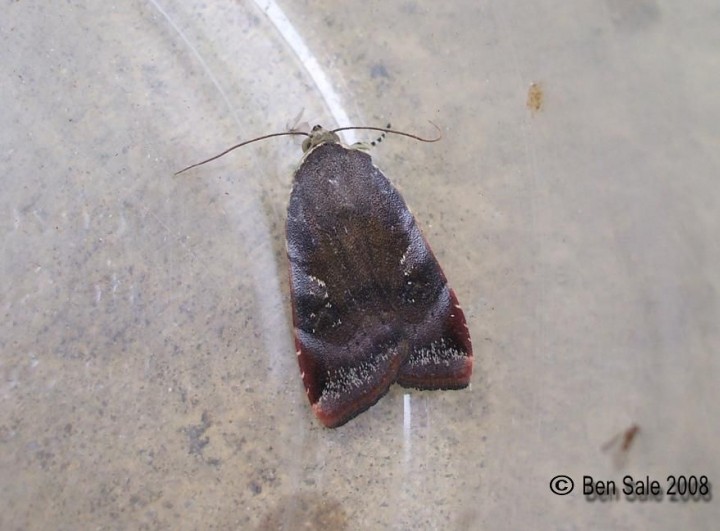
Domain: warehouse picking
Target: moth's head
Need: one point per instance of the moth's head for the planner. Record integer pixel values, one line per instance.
(318, 136)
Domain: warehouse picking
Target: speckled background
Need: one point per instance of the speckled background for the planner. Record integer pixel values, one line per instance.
(149, 378)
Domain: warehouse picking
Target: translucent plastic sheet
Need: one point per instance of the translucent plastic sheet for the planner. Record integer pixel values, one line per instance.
(148, 370)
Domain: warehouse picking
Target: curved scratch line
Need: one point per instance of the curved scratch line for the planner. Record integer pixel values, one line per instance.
(407, 425)
(308, 60)
(200, 59)
(268, 303)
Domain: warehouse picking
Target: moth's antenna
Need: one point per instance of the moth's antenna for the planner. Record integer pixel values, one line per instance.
(241, 144)
(393, 131)
(381, 137)
(292, 133)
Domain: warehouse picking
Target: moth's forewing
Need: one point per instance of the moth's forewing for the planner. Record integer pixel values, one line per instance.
(371, 305)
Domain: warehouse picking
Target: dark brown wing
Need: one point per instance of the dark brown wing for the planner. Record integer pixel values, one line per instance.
(371, 305)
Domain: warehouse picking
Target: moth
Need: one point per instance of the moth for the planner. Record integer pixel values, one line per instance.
(370, 303)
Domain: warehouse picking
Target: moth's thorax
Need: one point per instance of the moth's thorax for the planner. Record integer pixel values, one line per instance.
(318, 136)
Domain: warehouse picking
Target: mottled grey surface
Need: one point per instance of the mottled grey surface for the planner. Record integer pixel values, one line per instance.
(149, 378)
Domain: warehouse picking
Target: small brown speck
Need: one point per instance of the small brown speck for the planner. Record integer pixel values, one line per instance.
(535, 97)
